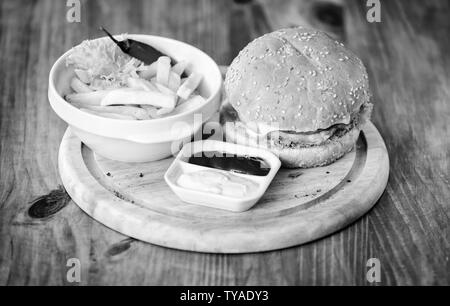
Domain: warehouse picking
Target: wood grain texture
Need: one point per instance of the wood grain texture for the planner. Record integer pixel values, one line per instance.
(408, 230)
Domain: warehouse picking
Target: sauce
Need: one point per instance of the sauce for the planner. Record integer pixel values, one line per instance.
(233, 163)
(217, 182)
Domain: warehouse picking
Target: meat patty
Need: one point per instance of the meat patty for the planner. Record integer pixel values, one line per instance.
(295, 139)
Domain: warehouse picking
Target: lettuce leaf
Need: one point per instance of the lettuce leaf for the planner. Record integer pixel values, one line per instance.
(106, 66)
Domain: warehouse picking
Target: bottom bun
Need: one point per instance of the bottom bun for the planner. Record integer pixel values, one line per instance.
(292, 157)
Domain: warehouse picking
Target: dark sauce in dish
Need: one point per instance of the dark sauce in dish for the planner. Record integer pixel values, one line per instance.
(234, 163)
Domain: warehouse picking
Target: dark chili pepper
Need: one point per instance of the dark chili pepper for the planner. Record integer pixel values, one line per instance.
(138, 50)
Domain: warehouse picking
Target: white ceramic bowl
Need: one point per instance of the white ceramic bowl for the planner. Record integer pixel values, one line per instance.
(146, 140)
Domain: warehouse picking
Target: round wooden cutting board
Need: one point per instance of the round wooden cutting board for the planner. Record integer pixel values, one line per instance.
(300, 205)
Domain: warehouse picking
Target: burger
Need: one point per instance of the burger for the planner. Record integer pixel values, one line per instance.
(298, 93)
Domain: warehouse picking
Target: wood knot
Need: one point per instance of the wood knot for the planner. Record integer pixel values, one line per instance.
(295, 175)
(330, 13)
(243, 1)
(48, 205)
(120, 247)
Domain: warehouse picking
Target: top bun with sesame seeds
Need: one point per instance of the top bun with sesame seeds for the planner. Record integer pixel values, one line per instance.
(302, 83)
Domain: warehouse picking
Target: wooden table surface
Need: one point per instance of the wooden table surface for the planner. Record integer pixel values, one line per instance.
(407, 55)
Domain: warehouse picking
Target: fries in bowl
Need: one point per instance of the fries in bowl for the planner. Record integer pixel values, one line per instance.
(112, 84)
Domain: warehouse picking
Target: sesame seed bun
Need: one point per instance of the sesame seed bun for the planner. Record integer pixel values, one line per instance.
(301, 79)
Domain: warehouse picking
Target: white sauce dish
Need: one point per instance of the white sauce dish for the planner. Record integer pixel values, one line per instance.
(217, 188)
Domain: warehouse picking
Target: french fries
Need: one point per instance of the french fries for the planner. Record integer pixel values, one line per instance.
(79, 86)
(189, 86)
(191, 103)
(164, 111)
(141, 84)
(132, 111)
(88, 98)
(148, 72)
(83, 76)
(163, 72)
(174, 81)
(147, 92)
(156, 113)
(165, 90)
(138, 97)
(151, 111)
(108, 115)
(180, 67)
